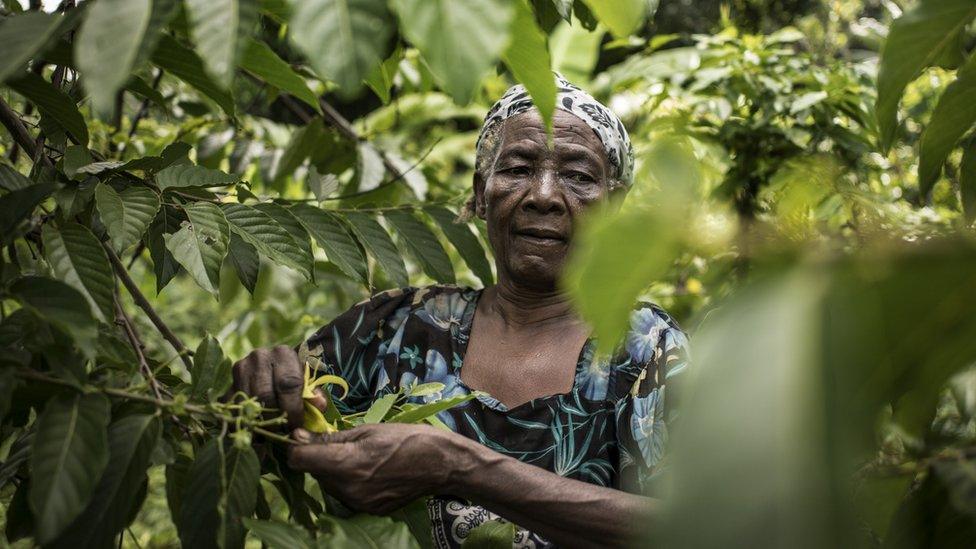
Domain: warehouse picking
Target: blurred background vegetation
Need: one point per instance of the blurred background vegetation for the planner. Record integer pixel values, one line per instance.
(828, 292)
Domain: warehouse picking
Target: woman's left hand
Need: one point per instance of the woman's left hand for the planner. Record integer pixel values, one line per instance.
(379, 468)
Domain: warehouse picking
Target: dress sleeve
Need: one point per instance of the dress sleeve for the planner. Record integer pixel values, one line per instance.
(650, 409)
(353, 347)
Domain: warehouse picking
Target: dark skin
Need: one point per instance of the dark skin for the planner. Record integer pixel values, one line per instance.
(525, 343)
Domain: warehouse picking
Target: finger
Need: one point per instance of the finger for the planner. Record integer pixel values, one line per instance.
(317, 458)
(240, 372)
(288, 383)
(262, 382)
(319, 399)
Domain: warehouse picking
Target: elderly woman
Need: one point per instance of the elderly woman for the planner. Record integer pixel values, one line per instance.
(559, 443)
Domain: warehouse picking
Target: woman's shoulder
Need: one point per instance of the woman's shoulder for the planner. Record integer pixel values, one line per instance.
(415, 297)
(652, 332)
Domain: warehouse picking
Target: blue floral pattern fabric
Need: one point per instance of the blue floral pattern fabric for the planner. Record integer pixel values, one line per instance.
(610, 429)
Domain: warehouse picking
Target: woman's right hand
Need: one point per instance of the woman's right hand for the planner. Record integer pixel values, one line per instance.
(275, 377)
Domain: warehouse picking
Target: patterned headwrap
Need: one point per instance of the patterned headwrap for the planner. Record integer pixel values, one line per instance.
(571, 99)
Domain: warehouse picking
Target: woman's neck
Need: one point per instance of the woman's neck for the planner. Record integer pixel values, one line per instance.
(523, 307)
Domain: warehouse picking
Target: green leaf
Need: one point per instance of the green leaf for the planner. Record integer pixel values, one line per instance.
(575, 51)
(622, 17)
(201, 244)
(915, 41)
(69, 455)
(107, 46)
(364, 531)
(380, 407)
(423, 245)
(304, 142)
(23, 36)
(527, 56)
(211, 371)
(61, 305)
(416, 516)
(78, 258)
(464, 239)
(381, 79)
(221, 488)
(954, 115)
(261, 61)
(186, 65)
(422, 412)
(355, 33)
(379, 243)
(163, 11)
(131, 441)
(246, 262)
(459, 40)
(16, 205)
(334, 238)
(126, 215)
(967, 181)
(165, 266)
(12, 180)
(220, 29)
(182, 176)
(53, 104)
(268, 236)
(491, 534)
(278, 535)
(286, 219)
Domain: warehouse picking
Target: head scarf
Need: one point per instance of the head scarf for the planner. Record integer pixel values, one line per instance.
(572, 99)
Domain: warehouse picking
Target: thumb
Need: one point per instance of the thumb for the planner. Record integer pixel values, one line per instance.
(319, 400)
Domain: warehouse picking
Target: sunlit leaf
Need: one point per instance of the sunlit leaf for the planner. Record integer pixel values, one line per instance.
(459, 40)
(622, 17)
(527, 56)
(954, 115)
(380, 245)
(201, 244)
(462, 237)
(182, 176)
(268, 236)
(422, 412)
(380, 407)
(259, 60)
(70, 453)
(334, 238)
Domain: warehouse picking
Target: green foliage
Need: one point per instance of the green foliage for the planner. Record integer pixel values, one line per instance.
(492, 534)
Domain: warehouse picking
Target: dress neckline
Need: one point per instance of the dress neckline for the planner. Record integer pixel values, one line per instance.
(464, 331)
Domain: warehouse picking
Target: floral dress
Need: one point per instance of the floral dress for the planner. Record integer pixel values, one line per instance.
(610, 429)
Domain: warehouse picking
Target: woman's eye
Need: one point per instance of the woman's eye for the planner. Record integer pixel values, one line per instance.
(518, 171)
(580, 177)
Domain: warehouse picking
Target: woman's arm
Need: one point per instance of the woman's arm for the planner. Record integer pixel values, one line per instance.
(379, 468)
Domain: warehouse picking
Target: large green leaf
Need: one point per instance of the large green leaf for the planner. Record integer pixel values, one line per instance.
(423, 244)
(131, 441)
(364, 530)
(967, 181)
(220, 29)
(107, 46)
(165, 266)
(162, 13)
(954, 115)
(186, 65)
(915, 41)
(77, 258)
(201, 244)
(126, 215)
(69, 455)
(334, 238)
(261, 61)
(17, 205)
(464, 239)
(424, 411)
(221, 488)
(245, 260)
(622, 17)
(211, 370)
(528, 58)
(268, 236)
(279, 535)
(181, 176)
(491, 534)
(53, 103)
(23, 36)
(61, 305)
(459, 40)
(286, 219)
(304, 142)
(343, 40)
(417, 517)
(379, 243)
(12, 180)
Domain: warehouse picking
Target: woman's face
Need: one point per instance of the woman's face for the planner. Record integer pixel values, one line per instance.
(533, 195)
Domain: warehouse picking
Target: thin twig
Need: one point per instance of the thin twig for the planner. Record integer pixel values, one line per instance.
(144, 107)
(123, 320)
(144, 304)
(13, 123)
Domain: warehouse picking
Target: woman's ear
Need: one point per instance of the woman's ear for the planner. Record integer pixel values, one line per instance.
(480, 209)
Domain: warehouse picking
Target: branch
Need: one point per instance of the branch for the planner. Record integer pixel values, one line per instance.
(144, 304)
(123, 320)
(144, 107)
(11, 120)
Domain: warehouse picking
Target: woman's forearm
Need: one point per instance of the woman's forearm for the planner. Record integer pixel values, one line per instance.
(570, 513)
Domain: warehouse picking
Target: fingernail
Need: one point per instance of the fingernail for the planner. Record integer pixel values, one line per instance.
(301, 435)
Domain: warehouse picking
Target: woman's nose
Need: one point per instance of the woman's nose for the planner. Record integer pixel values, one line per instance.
(544, 195)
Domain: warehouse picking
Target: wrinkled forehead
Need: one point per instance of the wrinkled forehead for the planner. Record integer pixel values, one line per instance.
(525, 134)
